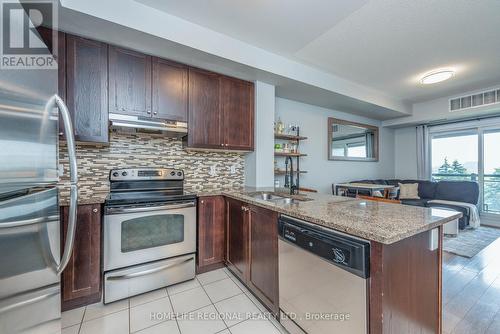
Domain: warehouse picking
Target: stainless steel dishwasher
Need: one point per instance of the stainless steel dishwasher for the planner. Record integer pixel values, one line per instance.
(323, 279)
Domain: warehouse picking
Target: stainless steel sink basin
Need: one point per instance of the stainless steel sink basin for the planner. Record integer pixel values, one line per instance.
(286, 200)
(273, 198)
(266, 196)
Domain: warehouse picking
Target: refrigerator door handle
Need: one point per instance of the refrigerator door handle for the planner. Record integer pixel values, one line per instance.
(70, 138)
(73, 201)
(70, 233)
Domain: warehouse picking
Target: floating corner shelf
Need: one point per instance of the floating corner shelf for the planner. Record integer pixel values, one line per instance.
(288, 137)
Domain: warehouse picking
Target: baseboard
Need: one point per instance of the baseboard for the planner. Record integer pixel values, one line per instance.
(490, 221)
(491, 224)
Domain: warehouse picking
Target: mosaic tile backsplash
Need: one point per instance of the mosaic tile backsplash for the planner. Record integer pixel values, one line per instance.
(149, 150)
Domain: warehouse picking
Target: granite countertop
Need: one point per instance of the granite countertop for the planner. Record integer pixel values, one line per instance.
(376, 221)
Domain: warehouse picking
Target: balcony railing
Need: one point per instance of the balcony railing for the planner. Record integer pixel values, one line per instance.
(491, 188)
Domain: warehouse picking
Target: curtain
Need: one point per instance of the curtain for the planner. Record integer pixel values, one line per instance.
(369, 145)
(423, 163)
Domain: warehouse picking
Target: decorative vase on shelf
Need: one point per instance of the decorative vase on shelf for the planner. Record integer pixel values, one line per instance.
(280, 126)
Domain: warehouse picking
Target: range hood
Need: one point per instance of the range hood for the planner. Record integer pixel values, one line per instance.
(169, 128)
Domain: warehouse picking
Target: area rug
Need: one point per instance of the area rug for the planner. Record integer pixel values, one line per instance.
(471, 241)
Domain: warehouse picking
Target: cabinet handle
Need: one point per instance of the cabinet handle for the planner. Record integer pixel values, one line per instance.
(154, 113)
(202, 202)
(94, 210)
(149, 111)
(123, 109)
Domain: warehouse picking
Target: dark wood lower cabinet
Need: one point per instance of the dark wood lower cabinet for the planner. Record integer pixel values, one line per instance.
(237, 238)
(211, 233)
(81, 280)
(263, 256)
(406, 286)
(252, 249)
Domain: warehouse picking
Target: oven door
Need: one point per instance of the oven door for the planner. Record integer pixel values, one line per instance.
(144, 234)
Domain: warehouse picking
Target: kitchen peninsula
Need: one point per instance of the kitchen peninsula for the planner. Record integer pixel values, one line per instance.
(405, 250)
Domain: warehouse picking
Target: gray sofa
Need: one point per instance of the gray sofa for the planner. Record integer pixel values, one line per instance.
(457, 191)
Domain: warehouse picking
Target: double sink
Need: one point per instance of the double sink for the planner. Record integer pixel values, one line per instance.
(274, 198)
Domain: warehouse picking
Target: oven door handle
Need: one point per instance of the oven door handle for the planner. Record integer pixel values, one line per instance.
(151, 208)
(148, 271)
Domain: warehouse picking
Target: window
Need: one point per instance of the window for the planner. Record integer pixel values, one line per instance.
(357, 150)
(471, 154)
(455, 156)
(491, 178)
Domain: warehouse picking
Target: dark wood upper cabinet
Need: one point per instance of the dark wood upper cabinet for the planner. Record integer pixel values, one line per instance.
(237, 238)
(129, 82)
(263, 256)
(87, 88)
(204, 121)
(211, 230)
(47, 36)
(95, 79)
(170, 90)
(81, 280)
(221, 112)
(237, 104)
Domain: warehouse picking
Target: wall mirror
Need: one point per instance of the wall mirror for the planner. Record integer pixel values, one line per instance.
(352, 141)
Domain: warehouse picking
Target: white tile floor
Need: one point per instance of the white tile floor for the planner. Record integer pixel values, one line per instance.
(213, 302)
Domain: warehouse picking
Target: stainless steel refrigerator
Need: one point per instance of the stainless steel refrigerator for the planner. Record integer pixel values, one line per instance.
(31, 258)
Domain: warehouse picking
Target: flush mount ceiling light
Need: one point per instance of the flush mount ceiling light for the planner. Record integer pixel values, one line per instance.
(437, 76)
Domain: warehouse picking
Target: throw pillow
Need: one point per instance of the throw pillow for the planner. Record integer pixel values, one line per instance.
(408, 191)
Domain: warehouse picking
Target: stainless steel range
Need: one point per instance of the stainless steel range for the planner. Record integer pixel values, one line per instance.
(149, 232)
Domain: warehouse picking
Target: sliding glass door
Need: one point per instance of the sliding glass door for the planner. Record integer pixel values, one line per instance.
(491, 177)
(469, 154)
(455, 156)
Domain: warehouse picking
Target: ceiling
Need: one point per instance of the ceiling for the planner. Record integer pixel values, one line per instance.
(384, 44)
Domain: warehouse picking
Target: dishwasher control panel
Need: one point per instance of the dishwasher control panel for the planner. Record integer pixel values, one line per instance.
(348, 253)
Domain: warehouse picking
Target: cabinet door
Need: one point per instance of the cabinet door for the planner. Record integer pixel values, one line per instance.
(211, 230)
(87, 88)
(237, 238)
(60, 54)
(237, 105)
(204, 115)
(81, 280)
(170, 91)
(129, 82)
(46, 35)
(263, 256)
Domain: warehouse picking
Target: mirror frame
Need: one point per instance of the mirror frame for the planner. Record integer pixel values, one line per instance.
(332, 121)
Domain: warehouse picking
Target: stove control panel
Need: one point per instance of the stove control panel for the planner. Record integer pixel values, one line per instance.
(138, 174)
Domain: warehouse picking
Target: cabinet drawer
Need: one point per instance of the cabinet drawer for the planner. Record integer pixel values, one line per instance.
(123, 283)
(35, 312)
